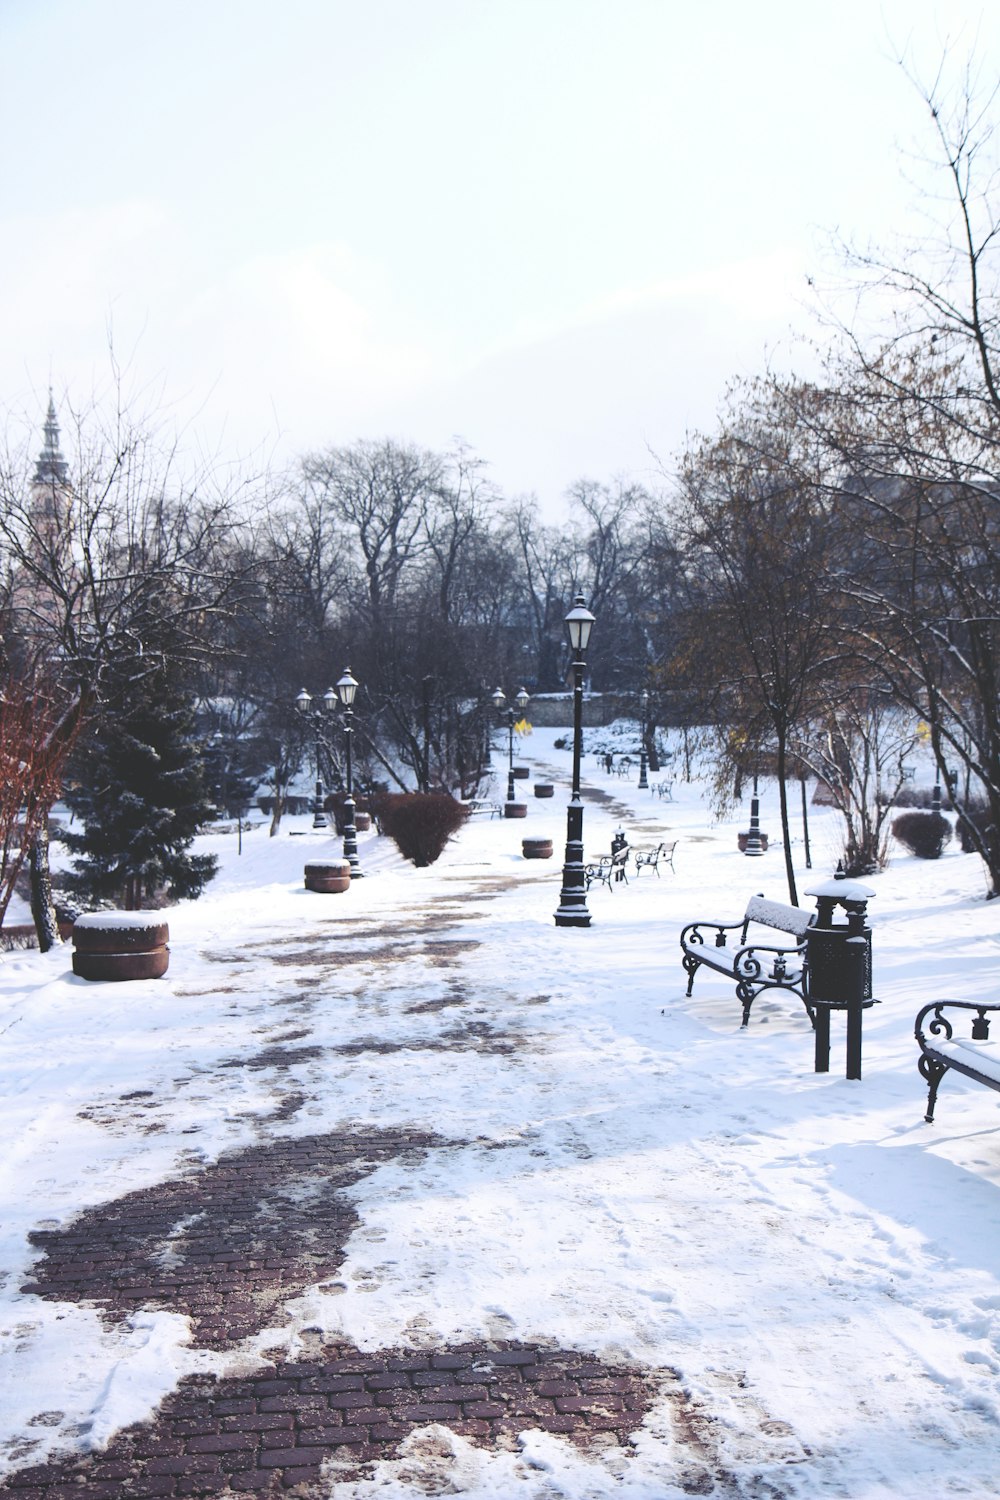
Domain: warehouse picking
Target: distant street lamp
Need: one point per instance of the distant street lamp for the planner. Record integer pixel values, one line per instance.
(522, 699)
(572, 910)
(755, 839)
(643, 717)
(319, 717)
(346, 689)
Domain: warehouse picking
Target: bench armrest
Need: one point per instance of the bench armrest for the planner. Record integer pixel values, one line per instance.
(749, 966)
(692, 933)
(941, 1027)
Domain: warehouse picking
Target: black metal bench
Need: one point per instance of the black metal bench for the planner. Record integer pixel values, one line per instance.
(941, 1050)
(733, 950)
(477, 806)
(663, 789)
(652, 858)
(608, 869)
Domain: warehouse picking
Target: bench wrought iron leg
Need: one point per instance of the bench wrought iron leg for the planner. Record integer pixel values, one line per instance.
(692, 965)
(746, 994)
(932, 1072)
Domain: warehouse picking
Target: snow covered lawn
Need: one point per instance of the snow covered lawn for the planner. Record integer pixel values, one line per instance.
(811, 1274)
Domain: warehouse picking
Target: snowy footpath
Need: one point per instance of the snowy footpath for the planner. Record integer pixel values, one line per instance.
(407, 1191)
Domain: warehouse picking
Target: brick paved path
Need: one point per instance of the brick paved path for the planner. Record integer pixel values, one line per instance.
(229, 1243)
(272, 1432)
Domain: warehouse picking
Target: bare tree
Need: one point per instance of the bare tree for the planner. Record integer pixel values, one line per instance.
(913, 412)
(110, 549)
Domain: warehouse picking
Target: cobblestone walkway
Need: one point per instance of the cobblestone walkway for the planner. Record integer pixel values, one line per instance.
(229, 1243)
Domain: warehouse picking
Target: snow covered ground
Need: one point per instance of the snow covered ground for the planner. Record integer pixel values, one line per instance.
(626, 1171)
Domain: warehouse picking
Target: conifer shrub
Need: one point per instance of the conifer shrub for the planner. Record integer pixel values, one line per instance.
(420, 823)
(925, 834)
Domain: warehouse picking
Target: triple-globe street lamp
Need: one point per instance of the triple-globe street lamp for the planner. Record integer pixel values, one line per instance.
(347, 687)
(318, 716)
(521, 699)
(572, 909)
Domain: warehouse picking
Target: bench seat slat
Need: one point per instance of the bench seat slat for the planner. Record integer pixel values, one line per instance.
(776, 914)
(982, 1059)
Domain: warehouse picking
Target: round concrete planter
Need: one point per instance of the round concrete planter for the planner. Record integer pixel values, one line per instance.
(119, 945)
(521, 773)
(544, 789)
(536, 848)
(109, 932)
(119, 966)
(741, 840)
(328, 877)
(362, 822)
(515, 809)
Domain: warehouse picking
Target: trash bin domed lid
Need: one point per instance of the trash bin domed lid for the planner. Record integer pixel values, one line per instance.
(839, 889)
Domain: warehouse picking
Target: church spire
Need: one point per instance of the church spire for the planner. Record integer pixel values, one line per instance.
(51, 467)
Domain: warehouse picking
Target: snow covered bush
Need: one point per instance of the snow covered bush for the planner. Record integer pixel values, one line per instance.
(420, 823)
(925, 834)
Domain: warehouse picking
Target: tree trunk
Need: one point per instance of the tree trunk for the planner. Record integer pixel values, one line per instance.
(786, 832)
(43, 912)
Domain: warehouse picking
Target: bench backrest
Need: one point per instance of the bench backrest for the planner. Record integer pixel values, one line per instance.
(779, 916)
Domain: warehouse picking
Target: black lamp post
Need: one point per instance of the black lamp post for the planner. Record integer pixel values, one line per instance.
(755, 842)
(572, 909)
(522, 699)
(643, 713)
(319, 716)
(346, 689)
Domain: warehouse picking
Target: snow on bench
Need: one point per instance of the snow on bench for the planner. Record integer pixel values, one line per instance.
(940, 1049)
(735, 950)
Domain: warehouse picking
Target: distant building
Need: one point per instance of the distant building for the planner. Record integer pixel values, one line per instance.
(46, 560)
(51, 497)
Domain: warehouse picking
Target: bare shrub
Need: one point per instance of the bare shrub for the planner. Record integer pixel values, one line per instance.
(925, 834)
(420, 823)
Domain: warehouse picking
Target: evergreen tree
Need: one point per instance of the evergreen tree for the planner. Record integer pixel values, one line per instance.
(139, 790)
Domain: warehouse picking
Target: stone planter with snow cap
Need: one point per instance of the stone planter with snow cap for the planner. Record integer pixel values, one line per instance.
(328, 876)
(117, 945)
(536, 848)
(544, 789)
(515, 809)
(521, 773)
(362, 822)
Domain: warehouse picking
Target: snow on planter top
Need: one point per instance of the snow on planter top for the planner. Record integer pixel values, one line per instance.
(327, 864)
(118, 921)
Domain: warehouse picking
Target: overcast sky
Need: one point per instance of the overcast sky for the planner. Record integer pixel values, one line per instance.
(554, 228)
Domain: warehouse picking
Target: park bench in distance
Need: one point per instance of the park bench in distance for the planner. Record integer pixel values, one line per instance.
(608, 869)
(652, 857)
(481, 806)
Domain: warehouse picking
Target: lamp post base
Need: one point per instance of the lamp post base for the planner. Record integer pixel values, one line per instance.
(571, 917)
(572, 909)
(351, 842)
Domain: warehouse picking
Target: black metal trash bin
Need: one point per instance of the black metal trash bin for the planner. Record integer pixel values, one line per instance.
(839, 959)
